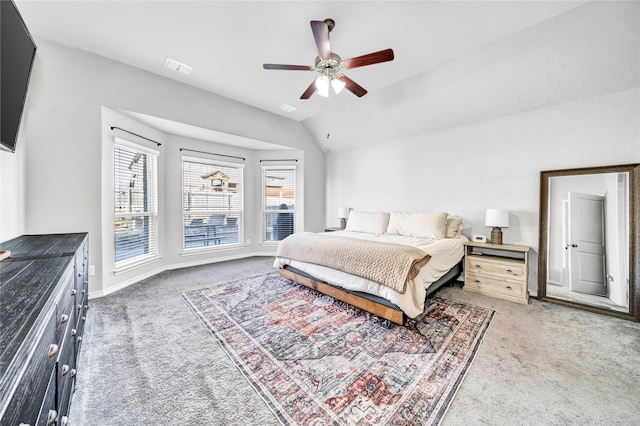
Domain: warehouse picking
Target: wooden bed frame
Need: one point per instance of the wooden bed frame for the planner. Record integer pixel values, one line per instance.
(395, 315)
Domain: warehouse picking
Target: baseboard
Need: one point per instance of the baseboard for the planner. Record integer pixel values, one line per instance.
(125, 284)
(149, 274)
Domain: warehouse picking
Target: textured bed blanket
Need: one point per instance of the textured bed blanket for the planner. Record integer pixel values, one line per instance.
(385, 263)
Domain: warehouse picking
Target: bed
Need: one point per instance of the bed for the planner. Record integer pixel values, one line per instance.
(405, 257)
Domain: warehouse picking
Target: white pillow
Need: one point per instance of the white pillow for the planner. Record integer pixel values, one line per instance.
(371, 222)
(422, 225)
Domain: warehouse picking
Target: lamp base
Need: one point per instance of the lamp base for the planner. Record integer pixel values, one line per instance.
(343, 223)
(496, 235)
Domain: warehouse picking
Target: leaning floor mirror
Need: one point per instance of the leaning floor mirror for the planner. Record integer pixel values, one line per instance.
(589, 239)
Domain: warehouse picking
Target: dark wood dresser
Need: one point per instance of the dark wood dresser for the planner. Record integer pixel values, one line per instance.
(43, 303)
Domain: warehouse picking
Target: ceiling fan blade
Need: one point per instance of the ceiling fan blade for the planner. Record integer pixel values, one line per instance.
(352, 86)
(321, 35)
(369, 59)
(287, 67)
(310, 91)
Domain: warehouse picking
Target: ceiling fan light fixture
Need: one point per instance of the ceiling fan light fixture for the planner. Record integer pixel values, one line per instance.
(322, 85)
(337, 85)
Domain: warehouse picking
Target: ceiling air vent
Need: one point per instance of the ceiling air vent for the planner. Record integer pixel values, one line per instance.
(172, 64)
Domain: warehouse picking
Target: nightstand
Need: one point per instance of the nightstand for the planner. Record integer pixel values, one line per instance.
(498, 270)
(332, 229)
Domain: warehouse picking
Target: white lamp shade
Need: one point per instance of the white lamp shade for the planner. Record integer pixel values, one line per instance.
(322, 85)
(497, 218)
(337, 85)
(343, 212)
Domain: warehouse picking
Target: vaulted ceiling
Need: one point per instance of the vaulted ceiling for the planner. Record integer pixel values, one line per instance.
(227, 42)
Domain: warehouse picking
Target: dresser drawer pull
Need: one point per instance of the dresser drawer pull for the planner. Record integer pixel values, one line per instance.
(74, 332)
(53, 349)
(64, 318)
(508, 287)
(79, 307)
(73, 372)
(509, 270)
(84, 319)
(478, 266)
(79, 339)
(65, 370)
(478, 281)
(51, 418)
(64, 421)
(73, 292)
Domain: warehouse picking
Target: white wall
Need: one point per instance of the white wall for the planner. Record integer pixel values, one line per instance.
(63, 130)
(12, 191)
(573, 100)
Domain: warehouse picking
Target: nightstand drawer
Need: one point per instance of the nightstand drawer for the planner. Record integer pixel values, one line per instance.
(495, 285)
(501, 268)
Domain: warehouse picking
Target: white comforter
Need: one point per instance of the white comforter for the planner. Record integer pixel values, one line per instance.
(445, 253)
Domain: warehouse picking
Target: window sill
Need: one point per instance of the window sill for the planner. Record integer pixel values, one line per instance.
(211, 249)
(137, 264)
(270, 243)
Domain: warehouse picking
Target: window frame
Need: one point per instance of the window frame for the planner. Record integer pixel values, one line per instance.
(241, 205)
(151, 212)
(264, 210)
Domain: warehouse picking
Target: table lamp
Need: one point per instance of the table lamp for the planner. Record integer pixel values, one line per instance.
(343, 214)
(497, 219)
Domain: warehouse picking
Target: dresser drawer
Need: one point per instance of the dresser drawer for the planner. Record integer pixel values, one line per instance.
(48, 413)
(65, 371)
(34, 384)
(502, 268)
(65, 313)
(495, 285)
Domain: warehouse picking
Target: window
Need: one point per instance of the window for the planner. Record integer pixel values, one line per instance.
(278, 202)
(135, 200)
(212, 203)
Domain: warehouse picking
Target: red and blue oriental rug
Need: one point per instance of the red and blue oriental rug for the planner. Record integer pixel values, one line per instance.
(319, 361)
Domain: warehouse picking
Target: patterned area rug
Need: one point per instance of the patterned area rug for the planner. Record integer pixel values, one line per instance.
(319, 361)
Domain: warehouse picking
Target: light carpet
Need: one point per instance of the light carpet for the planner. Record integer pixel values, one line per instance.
(319, 361)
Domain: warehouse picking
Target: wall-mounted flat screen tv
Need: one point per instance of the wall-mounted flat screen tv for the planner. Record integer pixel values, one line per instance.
(17, 51)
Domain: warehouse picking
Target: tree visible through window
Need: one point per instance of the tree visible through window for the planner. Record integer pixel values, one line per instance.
(278, 205)
(212, 203)
(135, 203)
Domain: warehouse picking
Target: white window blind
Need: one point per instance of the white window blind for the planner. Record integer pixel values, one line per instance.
(278, 202)
(135, 199)
(212, 203)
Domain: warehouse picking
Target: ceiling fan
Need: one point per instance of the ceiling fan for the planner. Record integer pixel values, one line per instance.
(330, 65)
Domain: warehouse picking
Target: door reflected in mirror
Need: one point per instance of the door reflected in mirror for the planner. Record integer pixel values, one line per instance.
(588, 226)
(588, 257)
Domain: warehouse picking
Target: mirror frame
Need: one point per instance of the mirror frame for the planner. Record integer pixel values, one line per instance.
(634, 238)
